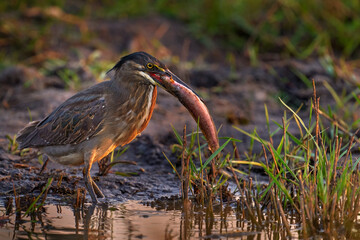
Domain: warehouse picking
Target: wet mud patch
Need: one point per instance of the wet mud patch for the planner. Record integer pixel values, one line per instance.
(149, 179)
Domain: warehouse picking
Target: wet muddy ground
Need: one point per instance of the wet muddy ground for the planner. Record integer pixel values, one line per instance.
(235, 94)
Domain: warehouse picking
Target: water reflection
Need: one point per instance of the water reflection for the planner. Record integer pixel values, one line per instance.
(130, 220)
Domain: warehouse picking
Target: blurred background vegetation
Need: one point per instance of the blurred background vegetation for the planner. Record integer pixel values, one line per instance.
(291, 28)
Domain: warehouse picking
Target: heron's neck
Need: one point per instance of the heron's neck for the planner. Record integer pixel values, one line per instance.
(135, 111)
(149, 100)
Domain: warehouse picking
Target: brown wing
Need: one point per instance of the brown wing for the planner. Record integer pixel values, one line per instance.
(76, 120)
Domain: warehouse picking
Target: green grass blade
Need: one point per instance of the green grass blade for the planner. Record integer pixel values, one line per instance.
(177, 135)
(173, 167)
(279, 184)
(295, 139)
(251, 135)
(215, 153)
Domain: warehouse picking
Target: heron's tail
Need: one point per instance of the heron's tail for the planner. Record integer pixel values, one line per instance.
(26, 134)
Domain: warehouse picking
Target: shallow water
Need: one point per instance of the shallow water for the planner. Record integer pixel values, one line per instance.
(130, 220)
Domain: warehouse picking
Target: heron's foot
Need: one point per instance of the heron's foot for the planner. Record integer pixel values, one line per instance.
(91, 191)
(97, 190)
(90, 185)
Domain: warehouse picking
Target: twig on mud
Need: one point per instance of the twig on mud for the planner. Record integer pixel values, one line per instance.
(283, 217)
(44, 165)
(17, 198)
(251, 214)
(5, 178)
(185, 171)
(107, 167)
(335, 122)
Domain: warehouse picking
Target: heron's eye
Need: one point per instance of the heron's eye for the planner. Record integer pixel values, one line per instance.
(150, 66)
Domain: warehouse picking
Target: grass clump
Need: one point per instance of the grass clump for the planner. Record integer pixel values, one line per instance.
(203, 173)
(312, 170)
(314, 174)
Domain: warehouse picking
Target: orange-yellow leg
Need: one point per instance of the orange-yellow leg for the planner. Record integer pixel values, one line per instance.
(90, 185)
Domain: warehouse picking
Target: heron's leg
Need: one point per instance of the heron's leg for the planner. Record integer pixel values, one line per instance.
(88, 179)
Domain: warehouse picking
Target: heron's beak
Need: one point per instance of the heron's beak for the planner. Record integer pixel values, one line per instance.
(194, 104)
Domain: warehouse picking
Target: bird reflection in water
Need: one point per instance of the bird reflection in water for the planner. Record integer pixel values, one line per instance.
(130, 220)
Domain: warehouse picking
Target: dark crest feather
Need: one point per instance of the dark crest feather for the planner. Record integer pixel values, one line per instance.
(139, 57)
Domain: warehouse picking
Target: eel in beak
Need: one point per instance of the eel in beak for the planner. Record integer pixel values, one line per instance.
(194, 104)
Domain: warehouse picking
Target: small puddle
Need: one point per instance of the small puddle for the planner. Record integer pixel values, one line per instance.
(130, 220)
